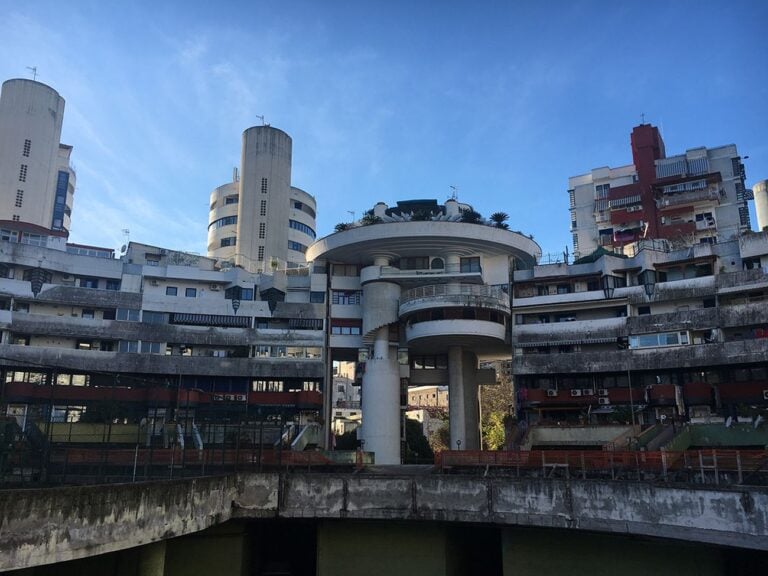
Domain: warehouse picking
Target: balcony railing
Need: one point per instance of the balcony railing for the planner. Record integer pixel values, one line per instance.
(472, 295)
(688, 198)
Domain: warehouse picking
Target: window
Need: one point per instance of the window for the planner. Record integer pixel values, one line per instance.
(260, 257)
(16, 218)
(128, 346)
(346, 297)
(89, 282)
(346, 327)
(171, 291)
(262, 229)
(113, 284)
(23, 173)
(317, 297)
(190, 292)
(127, 315)
(229, 241)
(263, 208)
(643, 310)
(238, 293)
(264, 186)
(343, 270)
(19, 198)
(296, 246)
(152, 259)
(150, 347)
(414, 263)
(226, 221)
(59, 206)
(150, 317)
(26, 149)
(301, 227)
(471, 264)
(437, 264)
(662, 339)
(87, 313)
(231, 200)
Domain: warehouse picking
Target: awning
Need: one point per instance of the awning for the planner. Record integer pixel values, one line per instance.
(565, 342)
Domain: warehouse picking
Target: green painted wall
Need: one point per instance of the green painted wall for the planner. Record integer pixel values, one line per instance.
(528, 552)
(380, 549)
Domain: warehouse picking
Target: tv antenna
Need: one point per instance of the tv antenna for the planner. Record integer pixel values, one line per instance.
(33, 69)
(454, 192)
(642, 118)
(263, 123)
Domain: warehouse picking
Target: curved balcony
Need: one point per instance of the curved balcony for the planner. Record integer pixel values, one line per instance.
(449, 273)
(454, 295)
(477, 334)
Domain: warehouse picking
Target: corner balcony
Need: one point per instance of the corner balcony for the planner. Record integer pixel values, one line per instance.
(436, 335)
(450, 273)
(440, 296)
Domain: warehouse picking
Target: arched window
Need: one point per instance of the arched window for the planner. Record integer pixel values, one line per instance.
(437, 264)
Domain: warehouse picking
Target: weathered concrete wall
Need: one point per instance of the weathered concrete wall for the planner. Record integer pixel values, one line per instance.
(45, 526)
(60, 524)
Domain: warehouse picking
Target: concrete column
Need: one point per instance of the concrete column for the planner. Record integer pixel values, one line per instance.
(381, 401)
(471, 405)
(456, 399)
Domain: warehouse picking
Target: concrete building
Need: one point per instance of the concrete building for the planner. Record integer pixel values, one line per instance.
(173, 344)
(417, 297)
(691, 198)
(259, 221)
(676, 335)
(760, 192)
(37, 183)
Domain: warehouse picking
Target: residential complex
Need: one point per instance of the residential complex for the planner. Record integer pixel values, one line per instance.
(659, 320)
(692, 198)
(675, 335)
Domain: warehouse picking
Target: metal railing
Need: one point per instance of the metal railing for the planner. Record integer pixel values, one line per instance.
(460, 292)
(713, 466)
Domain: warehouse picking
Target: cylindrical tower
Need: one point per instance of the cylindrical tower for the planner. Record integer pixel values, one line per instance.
(222, 221)
(760, 190)
(35, 176)
(265, 187)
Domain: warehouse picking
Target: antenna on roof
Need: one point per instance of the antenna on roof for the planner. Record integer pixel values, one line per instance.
(454, 192)
(263, 123)
(33, 69)
(642, 118)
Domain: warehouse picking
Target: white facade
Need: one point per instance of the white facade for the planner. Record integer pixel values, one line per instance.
(413, 297)
(760, 191)
(37, 182)
(259, 221)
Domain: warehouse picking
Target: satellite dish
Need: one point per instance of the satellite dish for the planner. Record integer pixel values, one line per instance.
(123, 248)
(663, 417)
(729, 422)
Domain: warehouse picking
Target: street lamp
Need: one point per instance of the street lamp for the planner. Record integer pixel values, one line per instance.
(648, 280)
(609, 283)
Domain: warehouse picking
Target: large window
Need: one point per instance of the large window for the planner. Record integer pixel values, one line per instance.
(345, 327)
(296, 246)
(346, 297)
(414, 263)
(238, 293)
(661, 339)
(471, 264)
(301, 227)
(226, 221)
(127, 314)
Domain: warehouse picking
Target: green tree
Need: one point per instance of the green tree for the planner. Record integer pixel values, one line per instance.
(496, 403)
(370, 218)
(440, 438)
(493, 431)
(341, 226)
(471, 217)
(499, 220)
(417, 448)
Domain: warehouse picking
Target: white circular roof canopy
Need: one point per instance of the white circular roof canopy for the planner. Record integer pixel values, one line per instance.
(362, 244)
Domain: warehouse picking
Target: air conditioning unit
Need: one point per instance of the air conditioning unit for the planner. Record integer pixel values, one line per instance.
(551, 393)
(602, 392)
(214, 288)
(587, 392)
(765, 394)
(65, 276)
(576, 392)
(154, 283)
(603, 401)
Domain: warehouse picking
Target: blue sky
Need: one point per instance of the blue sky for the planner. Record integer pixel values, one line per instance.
(384, 100)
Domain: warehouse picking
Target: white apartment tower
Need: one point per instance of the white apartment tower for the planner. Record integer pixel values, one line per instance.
(37, 183)
(259, 221)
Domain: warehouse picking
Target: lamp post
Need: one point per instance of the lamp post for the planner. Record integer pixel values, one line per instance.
(649, 282)
(608, 283)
